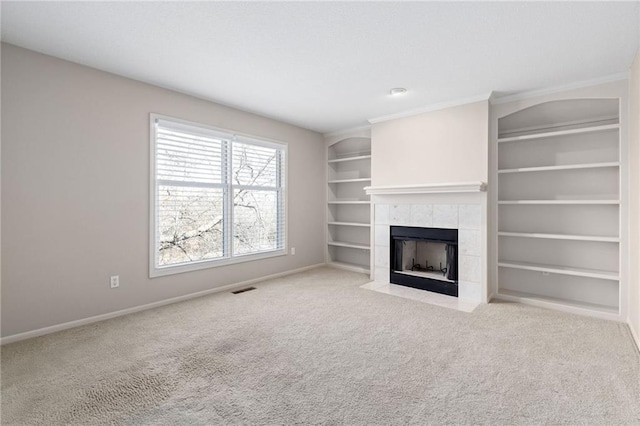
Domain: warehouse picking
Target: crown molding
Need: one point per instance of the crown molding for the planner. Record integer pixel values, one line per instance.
(431, 188)
(495, 100)
(430, 108)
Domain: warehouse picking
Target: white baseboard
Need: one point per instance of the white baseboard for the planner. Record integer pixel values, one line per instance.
(102, 317)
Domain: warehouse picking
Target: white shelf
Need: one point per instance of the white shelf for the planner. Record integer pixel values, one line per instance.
(560, 237)
(355, 158)
(578, 272)
(565, 167)
(366, 225)
(602, 311)
(349, 202)
(576, 202)
(348, 245)
(350, 180)
(547, 135)
(354, 267)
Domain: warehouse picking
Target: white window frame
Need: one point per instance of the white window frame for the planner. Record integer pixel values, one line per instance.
(155, 270)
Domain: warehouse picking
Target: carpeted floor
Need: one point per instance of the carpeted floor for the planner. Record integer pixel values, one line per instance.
(314, 348)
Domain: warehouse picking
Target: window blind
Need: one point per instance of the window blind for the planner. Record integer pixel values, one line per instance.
(258, 209)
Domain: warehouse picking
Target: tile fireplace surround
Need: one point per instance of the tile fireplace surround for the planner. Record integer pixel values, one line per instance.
(435, 206)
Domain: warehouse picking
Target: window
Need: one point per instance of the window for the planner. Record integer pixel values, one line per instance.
(217, 198)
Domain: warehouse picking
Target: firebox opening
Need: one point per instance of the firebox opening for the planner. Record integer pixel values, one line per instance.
(425, 258)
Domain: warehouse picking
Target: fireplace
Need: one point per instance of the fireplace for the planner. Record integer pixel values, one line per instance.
(424, 258)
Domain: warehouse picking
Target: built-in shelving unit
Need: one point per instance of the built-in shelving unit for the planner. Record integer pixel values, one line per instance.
(559, 206)
(349, 207)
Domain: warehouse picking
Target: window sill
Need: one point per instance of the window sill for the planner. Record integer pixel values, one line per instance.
(214, 263)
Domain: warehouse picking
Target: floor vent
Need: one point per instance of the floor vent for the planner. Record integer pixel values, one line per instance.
(242, 290)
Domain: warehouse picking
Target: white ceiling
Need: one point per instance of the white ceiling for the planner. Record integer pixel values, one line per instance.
(329, 66)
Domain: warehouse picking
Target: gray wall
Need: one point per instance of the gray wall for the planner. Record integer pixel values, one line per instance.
(75, 191)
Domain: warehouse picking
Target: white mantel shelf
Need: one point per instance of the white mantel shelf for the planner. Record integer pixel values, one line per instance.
(432, 188)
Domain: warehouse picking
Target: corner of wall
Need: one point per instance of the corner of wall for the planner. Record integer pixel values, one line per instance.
(1, 46)
(634, 189)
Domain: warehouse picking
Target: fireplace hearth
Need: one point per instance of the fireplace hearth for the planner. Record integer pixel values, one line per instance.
(424, 258)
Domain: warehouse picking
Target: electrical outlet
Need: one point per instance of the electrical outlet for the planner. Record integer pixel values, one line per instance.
(115, 281)
(293, 251)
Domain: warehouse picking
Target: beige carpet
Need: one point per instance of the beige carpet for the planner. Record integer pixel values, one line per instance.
(314, 348)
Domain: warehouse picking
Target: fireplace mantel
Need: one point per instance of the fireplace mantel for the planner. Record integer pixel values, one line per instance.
(430, 188)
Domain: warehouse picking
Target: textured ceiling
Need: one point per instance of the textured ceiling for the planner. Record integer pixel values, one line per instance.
(329, 66)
